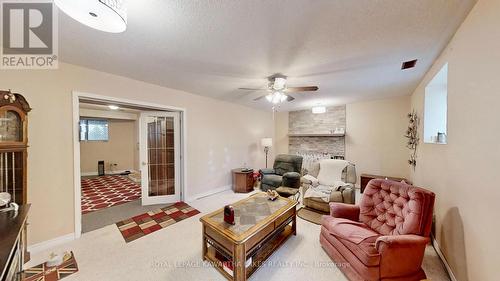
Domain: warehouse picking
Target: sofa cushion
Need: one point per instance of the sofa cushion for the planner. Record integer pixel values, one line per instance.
(356, 237)
(273, 180)
(355, 232)
(364, 251)
(291, 179)
(362, 257)
(393, 208)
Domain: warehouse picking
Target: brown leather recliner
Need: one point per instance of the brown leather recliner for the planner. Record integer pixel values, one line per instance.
(384, 238)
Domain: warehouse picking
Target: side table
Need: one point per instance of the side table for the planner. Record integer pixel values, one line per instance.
(242, 180)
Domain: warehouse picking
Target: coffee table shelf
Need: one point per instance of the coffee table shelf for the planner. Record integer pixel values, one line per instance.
(264, 253)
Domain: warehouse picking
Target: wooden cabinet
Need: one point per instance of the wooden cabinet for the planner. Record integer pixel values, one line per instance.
(242, 181)
(13, 252)
(13, 145)
(365, 178)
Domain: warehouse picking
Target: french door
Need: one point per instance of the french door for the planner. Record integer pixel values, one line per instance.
(160, 157)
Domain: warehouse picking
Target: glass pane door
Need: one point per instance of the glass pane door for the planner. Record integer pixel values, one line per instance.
(161, 149)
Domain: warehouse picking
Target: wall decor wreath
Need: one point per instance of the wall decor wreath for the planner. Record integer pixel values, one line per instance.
(412, 136)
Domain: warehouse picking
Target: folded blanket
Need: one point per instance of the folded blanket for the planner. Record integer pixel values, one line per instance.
(311, 180)
(323, 191)
(330, 171)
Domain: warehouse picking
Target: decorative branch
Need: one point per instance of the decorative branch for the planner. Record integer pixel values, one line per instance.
(413, 138)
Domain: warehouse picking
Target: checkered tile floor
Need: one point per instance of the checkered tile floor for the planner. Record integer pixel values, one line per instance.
(142, 225)
(106, 191)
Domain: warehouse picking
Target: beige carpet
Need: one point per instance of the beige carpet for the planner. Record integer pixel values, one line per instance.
(174, 253)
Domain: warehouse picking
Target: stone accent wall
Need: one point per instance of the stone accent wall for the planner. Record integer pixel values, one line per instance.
(331, 145)
(305, 122)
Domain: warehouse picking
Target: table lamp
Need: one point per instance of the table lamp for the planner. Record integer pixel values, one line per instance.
(266, 143)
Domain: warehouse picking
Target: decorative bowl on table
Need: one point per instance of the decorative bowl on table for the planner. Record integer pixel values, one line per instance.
(272, 195)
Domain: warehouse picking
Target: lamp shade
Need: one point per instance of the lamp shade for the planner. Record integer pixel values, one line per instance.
(266, 142)
(104, 15)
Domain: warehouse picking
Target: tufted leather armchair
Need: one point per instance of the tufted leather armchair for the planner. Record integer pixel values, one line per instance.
(384, 238)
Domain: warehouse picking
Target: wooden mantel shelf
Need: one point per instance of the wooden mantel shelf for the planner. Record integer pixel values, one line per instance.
(316, 135)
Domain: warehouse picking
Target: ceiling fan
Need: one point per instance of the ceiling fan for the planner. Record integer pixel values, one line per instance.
(278, 91)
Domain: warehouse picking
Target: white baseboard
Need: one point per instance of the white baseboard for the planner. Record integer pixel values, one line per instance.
(45, 245)
(88, 174)
(443, 259)
(209, 193)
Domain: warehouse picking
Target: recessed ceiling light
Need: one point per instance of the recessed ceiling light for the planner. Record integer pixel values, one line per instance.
(104, 15)
(113, 107)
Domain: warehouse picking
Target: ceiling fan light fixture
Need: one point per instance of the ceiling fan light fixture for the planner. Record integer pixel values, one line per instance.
(269, 97)
(319, 109)
(276, 97)
(279, 83)
(104, 15)
(283, 97)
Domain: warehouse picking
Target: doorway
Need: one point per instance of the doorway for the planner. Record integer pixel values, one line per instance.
(124, 180)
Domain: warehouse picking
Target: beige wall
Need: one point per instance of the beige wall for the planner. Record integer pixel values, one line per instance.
(281, 133)
(374, 136)
(215, 142)
(120, 149)
(464, 173)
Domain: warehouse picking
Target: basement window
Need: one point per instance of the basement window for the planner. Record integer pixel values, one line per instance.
(94, 130)
(436, 108)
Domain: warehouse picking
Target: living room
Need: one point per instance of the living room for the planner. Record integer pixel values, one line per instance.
(254, 85)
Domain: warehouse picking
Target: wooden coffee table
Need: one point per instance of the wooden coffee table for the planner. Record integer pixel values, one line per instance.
(261, 227)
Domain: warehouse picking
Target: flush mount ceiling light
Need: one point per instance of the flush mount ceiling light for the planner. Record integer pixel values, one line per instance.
(113, 107)
(318, 109)
(104, 15)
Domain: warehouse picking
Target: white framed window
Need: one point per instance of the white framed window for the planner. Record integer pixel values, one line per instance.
(436, 108)
(94, 130)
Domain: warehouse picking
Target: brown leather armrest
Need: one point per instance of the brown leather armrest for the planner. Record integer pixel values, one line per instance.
(400, 255)
(346, 211)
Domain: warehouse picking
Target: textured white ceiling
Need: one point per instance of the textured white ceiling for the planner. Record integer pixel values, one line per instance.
(352, 50)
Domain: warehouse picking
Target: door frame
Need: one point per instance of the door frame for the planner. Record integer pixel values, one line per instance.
(76, 96)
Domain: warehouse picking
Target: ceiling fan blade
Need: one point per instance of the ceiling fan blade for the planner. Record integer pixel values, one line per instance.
(290, 98)
(301, 89)
(259, 98)
(252, 89)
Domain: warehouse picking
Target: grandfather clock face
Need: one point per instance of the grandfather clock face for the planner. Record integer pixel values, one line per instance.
(10, 127)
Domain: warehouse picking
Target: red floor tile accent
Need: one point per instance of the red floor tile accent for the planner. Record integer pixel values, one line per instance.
(106, 191)
(144, 224)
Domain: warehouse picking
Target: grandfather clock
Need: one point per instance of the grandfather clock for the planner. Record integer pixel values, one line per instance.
(13, 145)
